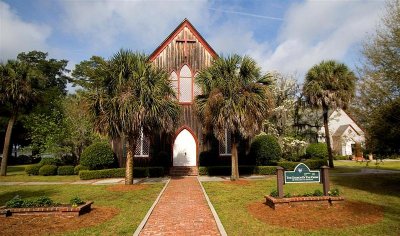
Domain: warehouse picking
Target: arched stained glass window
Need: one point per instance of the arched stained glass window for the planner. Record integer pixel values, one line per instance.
(185, 85)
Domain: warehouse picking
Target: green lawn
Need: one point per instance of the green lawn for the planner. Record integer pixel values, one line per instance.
(230, 202)
(388, 165)
(17, 174)
(132, 205)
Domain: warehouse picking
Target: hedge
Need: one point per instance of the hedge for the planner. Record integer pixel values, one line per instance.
(138, 172)
(312, 164)
(32, 169)
(47, 170)
(79, 168)
(65, 170)
(266, 150)
(243, 170)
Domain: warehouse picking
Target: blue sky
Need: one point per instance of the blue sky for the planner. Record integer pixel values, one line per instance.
(287, 36)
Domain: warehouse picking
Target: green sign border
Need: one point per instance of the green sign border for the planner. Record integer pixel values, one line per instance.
(309, 171)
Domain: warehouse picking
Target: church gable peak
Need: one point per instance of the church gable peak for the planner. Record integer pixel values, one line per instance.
(184, 35)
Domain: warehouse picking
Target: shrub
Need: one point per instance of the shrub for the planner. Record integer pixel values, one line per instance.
(312, 164)
(44, 201)
(16, 202)
(99, 174)
(140, 172)
(317, 151)
(65, 170)
(156, 171)
(47, 170)
(334, 192)
(339, 157)
(98, 156)
(243, 170)
(162, 159)
(274, 193)
(266, 150)
(75, 201)
(68, 159)
(318, 193)
(32, 169)
(50, 161)
(79, 168)
(265, 170)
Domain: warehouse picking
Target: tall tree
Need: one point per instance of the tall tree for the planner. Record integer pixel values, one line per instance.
(17, 90)
(234, 99)
(134, 97)
(379, 84)
(329, 85)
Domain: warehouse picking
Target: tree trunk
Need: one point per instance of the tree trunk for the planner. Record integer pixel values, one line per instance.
(7, 140)
(235, 163)
(130, 151)
(327, 137)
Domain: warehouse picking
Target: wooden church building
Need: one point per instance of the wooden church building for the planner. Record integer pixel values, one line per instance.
(182, 54)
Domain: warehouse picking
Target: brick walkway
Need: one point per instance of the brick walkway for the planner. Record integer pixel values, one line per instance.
(182, 210)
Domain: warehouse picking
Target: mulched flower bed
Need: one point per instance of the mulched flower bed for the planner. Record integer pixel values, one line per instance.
(49, 225)
(311, 217)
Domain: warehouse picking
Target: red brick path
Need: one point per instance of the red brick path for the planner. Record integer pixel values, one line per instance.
(182, 210)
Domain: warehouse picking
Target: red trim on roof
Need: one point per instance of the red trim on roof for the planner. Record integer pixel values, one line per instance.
(181, 26)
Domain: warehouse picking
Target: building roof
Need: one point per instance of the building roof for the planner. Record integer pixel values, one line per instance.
(340, 131)
(181, 26)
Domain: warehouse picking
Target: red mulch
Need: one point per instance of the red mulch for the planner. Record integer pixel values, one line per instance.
(48, 225)
(312, 217)
(126, 188)
(241, 182)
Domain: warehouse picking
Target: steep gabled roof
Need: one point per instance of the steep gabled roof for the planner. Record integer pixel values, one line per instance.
(181, 26)
(340, 131)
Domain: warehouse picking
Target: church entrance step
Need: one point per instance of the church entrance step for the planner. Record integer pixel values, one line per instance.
(184, 171)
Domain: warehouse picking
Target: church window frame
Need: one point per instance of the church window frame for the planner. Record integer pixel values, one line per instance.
(180, 82)
(225, 147)
(142, 145)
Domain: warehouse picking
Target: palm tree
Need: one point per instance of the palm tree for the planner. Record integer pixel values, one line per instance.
(329, 85)
(17, 90)
(135, 97)
(234, 100)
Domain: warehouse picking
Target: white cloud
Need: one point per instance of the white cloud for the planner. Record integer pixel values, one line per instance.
(18, 36)
(318, 30)
(144, 23)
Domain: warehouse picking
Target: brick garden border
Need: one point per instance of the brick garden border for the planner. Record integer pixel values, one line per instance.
(276, 203)
(59, 210)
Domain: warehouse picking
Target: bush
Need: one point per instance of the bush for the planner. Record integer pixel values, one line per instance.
(266, 150)
(68, 160)
(317, 151)
(138, 172)
(318, 193)
(44, 201)
(79, 168)
(65, 170)
(265, 170)
(156, 171)
(16, 202)
(47, 170)
(312, 164)
(75, 201)
(98, 156)
(32, 169)
(50, 161)
(243, 170)
(339, 157)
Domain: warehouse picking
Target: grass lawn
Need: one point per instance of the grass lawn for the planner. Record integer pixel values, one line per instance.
(17, 174)
(131, 205)
(231, 202)
(387, 165)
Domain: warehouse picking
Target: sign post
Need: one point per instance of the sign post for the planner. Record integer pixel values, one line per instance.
(302, 174)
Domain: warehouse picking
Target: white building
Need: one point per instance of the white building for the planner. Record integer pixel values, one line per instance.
(344, 132)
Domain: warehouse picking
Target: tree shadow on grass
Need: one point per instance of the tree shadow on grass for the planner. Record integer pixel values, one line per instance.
(6, 196)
